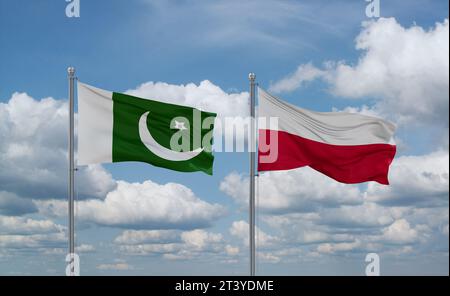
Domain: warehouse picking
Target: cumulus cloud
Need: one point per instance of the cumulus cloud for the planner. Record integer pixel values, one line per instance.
(168, 240)
(408, 67)
(200, 244)
(400, 232)
(304, 73)
(168, 249)
(34, 242)
(233, 251)
(292, 191)
(240, 229)
(418, 221)
(199, 239)
(421, 180)
(303, 230)
(267, 257)
(350, 230)
(135, 237)
(175, 245)
(367, 215)
(20, 234)
(391, 231)
(33, 151)
(146, 205)
(21, 225)
(405, 69)
(84, 248)
(330, 248)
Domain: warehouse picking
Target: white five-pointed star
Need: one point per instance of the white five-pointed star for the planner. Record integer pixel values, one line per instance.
(180, 125)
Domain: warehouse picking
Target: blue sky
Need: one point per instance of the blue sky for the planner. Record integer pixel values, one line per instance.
(203, 51)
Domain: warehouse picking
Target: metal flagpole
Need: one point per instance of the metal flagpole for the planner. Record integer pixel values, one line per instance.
(252, 149)
(71, 74)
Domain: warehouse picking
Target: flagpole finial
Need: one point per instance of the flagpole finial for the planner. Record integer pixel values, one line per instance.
(251, 76)
(71, 71)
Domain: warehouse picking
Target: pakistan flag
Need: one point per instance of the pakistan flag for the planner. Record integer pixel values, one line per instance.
(115, 127)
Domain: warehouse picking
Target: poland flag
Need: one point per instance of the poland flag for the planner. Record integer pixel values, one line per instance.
(348, 147)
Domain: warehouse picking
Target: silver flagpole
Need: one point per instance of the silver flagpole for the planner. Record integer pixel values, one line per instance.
(252, 149)
(71, 73)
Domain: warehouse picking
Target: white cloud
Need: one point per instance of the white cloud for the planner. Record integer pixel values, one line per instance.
(33, 151)
(146, 249)
(84, 248)
(331, 248)
(21, 225)
(400, 251)
(174, 245)
(400, 232)
(412, 210)
(406, 69)
(304, 73)
(366, 215)
(135, 237)
(34, 242)
(304, 230)
(115, 266)
(20, 234)
(240, 229)
(142, 205)
(422, 180)
(302, 189)
(94, 181)
(367, 228)
(233, 251)
(352, 229)
(200, 239)
(312, 236)
(267, 257)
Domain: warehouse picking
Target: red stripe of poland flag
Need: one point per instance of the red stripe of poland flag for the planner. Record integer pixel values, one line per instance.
(348, 147)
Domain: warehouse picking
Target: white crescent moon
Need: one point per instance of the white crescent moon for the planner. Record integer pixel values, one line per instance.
(161, 151)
